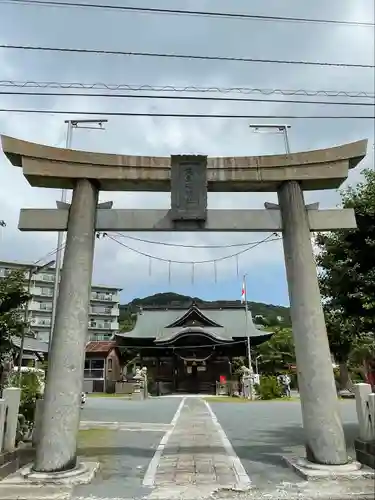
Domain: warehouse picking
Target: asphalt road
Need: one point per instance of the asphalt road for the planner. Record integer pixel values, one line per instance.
(261, 433)
(123, 455)
(156, 410)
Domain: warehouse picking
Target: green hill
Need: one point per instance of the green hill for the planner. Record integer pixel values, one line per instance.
(266, 314)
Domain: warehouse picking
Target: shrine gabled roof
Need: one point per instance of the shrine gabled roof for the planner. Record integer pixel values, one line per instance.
(179, 322)
(157, 324)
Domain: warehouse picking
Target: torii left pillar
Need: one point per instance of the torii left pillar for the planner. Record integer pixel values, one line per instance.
(57, 448)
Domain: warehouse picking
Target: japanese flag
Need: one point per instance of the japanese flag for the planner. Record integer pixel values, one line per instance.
(243, 293)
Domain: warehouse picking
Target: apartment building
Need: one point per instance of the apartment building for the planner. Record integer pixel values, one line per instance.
(104, 308)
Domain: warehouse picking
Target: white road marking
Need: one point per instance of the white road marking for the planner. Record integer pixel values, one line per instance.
(244, 480)
(149, 478)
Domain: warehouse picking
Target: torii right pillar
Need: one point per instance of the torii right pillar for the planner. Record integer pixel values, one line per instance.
(324, 435)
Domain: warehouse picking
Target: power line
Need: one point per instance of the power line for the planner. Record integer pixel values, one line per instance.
(179, 12)
(51, 253)
(182, 56)
(188, 88)
(181, 98)
(185, 115)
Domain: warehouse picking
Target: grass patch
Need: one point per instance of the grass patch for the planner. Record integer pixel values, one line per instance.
(87, 438)
(228, 399)
(105, 395)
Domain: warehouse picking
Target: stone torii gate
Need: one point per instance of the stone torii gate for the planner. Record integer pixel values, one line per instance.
(188, 178)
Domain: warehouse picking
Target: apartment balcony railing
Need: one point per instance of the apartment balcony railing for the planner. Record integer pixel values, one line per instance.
(107, 297)
(48, 292)
(40, 323)
(93, 374)
(100, 337)
(104, 311)
(37, 306)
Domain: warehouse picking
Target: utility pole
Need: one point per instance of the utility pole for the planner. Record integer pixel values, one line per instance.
(25, 327)
(264, 128)
(244, 298)
(93, 124)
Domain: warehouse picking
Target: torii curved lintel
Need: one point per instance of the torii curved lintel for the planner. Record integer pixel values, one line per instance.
(45, 166)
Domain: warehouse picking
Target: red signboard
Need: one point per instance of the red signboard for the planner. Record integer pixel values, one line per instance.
(223, 379)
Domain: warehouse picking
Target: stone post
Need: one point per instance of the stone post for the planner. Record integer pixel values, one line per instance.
(12, 396)
(2, 422)
(38, 416)
(325, 441)
(364, 404)
(56, 449)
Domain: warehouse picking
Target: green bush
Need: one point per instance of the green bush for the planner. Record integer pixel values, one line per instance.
(31, 390)
(268, 388)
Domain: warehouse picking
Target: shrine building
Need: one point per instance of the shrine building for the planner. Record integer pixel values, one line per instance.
(190, 349)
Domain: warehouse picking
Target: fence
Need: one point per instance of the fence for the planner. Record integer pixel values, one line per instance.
(365, 445)
(228, 388)
(9, 407)
(365, 403)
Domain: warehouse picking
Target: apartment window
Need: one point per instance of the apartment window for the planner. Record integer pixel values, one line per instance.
(44, 322)
(46, 306)
(100, 336)
(46, 291)
(94, 368)
(101, 310)
(47, 277)
(101, 296)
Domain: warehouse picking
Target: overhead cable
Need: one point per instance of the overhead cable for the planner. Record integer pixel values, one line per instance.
(180, 98)
(183, 12)
(182, 56)
(187, 88)
(51, 253)
(184, 115)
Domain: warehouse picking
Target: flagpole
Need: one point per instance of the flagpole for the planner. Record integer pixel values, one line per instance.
(248, 337)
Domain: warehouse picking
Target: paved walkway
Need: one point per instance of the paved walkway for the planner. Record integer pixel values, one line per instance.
(195, 458)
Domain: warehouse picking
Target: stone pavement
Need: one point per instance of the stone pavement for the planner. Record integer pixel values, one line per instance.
(197, 458)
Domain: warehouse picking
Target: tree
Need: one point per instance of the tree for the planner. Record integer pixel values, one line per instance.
(277, 354)
(362, 356)
(12, 297)
(341, 335)
(347, 273)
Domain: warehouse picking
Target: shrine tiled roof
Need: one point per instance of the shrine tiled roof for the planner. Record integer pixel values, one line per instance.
(159, 324)
(100, 347)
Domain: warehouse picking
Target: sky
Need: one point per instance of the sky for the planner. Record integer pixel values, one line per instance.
(115, 265)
